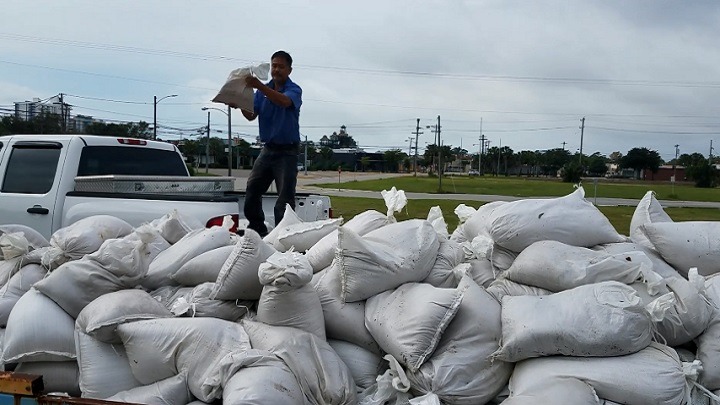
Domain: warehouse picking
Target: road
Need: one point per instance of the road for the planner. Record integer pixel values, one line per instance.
(305, 185)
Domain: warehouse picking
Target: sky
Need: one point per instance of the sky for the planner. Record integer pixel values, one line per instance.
(643, 73)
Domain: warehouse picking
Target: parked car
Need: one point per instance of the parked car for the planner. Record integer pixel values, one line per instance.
(473, 173)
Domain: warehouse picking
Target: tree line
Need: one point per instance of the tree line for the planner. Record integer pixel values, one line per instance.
(495, 161)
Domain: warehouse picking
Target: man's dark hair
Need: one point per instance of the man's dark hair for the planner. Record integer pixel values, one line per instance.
(284, 55)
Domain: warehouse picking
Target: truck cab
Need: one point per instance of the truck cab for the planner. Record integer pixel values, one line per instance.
(37, 171)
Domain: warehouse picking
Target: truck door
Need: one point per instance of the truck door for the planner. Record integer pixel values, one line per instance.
(30, 184)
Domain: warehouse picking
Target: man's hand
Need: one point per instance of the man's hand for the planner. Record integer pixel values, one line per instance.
(253, 82)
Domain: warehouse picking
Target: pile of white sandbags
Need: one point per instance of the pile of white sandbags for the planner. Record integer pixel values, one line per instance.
(525, 302)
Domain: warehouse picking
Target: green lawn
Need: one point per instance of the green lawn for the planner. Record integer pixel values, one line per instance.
(524, 187)
(348, 207)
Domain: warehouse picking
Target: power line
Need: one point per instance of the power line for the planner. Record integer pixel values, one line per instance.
(446, 75)
(653, 132)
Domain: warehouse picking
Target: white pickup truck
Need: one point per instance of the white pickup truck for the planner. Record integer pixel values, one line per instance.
(51, 181)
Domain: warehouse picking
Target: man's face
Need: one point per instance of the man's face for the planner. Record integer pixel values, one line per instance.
(279, 70)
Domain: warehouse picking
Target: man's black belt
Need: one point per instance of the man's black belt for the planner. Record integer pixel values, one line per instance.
(282, 147)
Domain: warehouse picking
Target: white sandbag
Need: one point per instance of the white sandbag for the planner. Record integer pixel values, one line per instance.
(203, 268)
(13, 245)
(395, 201)
(238, 277)
(9, 267)
(289, 218)
(119, 264)
(322, 375)
(172, 259)
(174, 226)
(2, 339)
(101, 317)
(385, 258)
(648, 211)
(460, 370)
(235, 92)
(364, 365)
(301, 237)
(322, 253)
(18, 285)
(104, 368)
(502, 258)
(84, 237)
(342, 321)
(409, 321)
(708, 343)
(450, 255)
(161, 348)
(196, 302)
(687, 244)
(287, 298)
(464, 213)
(559, 323)
(690, 315)
(436, 219)
(481, 271)
(652, 376)
(35, 239)
(502, 287)
(57, 376)
(570, 219)
(154, 241)
(38, 330)
(390, 388)
(479, 223)
(659, 265)
(170, 391)
(261, 378)
(556, 266)
(556, 391)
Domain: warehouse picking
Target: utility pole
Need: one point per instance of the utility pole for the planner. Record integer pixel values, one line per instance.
(582, 132)
(62, 113)
(480, 153)
(207, 147)
(305, 164)
(439, 157)
(155, 117)
(677, 151)
(417, 134)
(230, 141)
(564, 143)
(499, 153)
(482, 144)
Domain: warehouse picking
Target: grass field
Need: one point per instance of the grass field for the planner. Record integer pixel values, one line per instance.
(524, 187)
(348, 207)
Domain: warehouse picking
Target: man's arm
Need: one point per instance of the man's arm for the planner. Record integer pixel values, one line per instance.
(273, 95)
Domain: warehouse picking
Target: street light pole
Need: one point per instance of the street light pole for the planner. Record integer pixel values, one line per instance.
(155, 103)
(207, 147)
(305, 164)
(229, 116)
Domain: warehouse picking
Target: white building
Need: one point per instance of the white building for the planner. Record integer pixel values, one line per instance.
(27, 110)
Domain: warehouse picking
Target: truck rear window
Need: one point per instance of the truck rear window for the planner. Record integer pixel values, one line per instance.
(125, 160)
(31, 170)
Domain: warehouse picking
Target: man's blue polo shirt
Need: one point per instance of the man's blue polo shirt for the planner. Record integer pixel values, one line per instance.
(278, 125)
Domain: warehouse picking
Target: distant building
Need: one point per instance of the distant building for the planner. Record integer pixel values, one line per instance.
(80, 123)
(338, 140)
(665, 173)
(27, 110)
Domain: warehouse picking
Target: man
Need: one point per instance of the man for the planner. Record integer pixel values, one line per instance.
(277, 105)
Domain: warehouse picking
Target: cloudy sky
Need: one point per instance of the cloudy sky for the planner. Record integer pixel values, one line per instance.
(642, 73)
